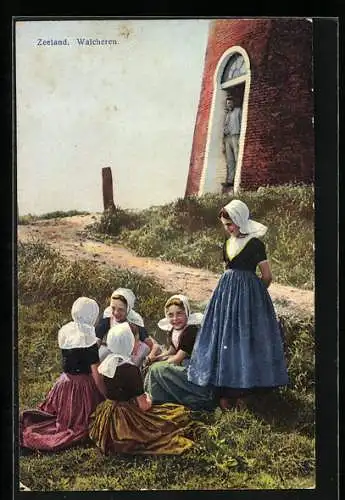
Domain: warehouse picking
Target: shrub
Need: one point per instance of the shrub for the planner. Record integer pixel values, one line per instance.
(187, 231)
(113, 220)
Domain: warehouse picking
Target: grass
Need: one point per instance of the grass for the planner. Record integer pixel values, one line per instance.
(187, 231)
(234, 450)
(44, 276)
(271, 445)
(58, 214)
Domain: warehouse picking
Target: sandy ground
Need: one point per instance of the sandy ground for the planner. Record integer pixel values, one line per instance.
(66, 234)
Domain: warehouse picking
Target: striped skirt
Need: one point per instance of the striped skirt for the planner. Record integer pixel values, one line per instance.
(121, 427)
(62, 420)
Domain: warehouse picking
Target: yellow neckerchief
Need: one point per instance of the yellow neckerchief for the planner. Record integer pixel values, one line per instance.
(235, 245)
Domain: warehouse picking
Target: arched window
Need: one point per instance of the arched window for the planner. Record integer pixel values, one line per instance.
(235, 67)
(232, 76)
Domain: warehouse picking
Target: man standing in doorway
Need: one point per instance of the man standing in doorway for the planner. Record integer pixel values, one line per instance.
(231, 136)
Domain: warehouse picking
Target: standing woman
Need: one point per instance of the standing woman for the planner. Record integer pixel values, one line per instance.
(62, 420)
(239, 348)
(127, 422)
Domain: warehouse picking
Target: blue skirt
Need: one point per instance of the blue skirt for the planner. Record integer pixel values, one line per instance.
(239, 344)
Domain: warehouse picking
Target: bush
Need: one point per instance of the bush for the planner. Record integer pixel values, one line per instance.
(113, 220)
(187, 231)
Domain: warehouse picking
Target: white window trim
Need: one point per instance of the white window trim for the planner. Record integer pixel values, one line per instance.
(234, 81)
(207, 182)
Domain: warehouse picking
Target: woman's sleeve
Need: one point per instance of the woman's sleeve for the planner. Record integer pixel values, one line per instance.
(260, 251)
(102, 327)
(143, 333)
(92, 352)
(187, 340)
(169, 339)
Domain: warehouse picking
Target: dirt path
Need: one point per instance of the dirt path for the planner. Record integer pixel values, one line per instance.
(66, 234)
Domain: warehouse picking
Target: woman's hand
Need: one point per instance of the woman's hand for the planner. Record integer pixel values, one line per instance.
(149, 360)
(163, 355)
(149, 342)
(177, 358)
(144, 401)
(266, 274)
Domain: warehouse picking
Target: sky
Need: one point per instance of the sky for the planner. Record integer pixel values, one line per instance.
(130, 105)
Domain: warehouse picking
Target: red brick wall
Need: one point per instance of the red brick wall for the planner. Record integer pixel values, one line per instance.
(279, 144)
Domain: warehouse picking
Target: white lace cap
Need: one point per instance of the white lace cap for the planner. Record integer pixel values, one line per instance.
(128, 294)
(136, 318)
(120, 341)
(193, 318)
(132, 316)
(239, 214)
(81, 331)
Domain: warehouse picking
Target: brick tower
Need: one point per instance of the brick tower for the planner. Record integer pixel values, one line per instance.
(266, 65)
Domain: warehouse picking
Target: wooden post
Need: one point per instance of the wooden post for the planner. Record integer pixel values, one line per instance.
(107, 184)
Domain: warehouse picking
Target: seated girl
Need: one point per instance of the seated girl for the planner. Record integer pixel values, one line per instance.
(62, 420)
(120, 310)
(127, 422)
(166, 379)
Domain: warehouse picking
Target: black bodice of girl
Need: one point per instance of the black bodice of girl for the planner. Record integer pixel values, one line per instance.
(186, 340)
(248, 258)
(126, 384)
(79, 360)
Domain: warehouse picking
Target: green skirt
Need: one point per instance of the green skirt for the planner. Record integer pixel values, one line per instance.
(168, 383)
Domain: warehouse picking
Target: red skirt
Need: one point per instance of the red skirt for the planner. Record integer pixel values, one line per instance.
(62, 420)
